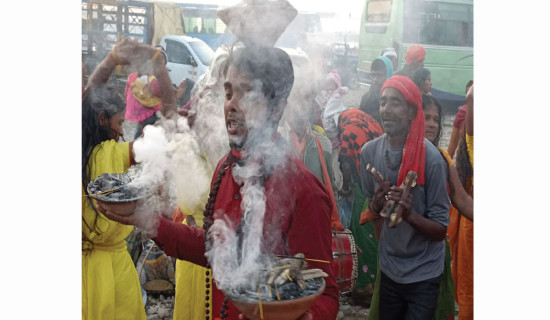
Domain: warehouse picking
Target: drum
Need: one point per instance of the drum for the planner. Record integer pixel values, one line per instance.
(344, 264)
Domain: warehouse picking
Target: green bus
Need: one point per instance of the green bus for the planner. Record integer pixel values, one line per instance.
(443, 27)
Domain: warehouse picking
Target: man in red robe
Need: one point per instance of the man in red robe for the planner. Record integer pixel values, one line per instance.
(297, 205)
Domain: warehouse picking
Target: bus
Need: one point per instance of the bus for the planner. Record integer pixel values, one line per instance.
(443, 27)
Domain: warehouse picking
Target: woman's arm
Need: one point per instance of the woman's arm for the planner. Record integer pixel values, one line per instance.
(460, 198)
(470, 111)
(453, 143)
(131, 52)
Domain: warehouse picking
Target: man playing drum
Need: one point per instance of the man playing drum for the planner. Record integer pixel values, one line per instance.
(412, 252)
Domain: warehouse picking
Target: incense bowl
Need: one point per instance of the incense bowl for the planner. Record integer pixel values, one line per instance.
(112, 191)
(276, 310)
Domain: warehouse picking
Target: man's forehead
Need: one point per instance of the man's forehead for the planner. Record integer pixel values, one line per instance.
(235, 78)
(390, 92)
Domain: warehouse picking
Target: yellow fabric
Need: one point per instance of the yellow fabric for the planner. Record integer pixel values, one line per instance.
(200, 171)
(140, 91)
(447, 156)
(110, 283)
(190, 300)
(470, 146)
(319, 129)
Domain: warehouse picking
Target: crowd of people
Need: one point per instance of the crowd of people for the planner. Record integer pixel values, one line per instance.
(416, 268)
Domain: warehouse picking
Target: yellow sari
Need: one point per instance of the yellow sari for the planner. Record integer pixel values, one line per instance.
(110, 283)
(190, 302)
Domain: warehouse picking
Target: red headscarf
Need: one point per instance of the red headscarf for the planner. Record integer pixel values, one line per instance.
(415, 53)
(414, 153)
(356, 129)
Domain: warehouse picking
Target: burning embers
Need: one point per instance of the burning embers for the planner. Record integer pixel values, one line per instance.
(287, 291)
(287, 279)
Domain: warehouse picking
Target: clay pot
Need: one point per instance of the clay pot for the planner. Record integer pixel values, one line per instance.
(277, 310)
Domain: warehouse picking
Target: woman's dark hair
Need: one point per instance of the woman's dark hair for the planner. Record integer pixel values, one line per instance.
(98, 99)
(463, 165)
(420, 76)
(428, 100)
(272, 66)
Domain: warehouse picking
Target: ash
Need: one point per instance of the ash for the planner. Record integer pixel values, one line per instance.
(161, 308)
(123, 192)
(287, 291)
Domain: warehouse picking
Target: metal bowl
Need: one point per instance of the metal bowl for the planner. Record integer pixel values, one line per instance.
(123, 203)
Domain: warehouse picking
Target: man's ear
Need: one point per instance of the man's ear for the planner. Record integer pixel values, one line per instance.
(279, 110)
(412, 112)
(102, 119)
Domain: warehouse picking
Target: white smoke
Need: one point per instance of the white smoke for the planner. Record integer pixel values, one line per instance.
(179, 158)
(237, 269)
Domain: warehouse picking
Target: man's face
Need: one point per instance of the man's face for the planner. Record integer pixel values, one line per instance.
(378, 77)
(245, 107)
(395, 113)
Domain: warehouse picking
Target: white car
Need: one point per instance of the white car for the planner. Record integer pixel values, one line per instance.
(188, 57)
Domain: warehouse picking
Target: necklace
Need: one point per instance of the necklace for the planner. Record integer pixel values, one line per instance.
(389, 164)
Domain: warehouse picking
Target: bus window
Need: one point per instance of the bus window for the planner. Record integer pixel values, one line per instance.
(438, 23)
(379, 11)
(176, 52)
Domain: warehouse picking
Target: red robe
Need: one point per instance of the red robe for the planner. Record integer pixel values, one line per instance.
(297, 219)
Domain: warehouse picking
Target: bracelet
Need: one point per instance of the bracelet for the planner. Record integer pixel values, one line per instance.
(372, 211)
(156, 54)
(113, 55)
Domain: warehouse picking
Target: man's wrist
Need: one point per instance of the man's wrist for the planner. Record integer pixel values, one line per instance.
(374, 212)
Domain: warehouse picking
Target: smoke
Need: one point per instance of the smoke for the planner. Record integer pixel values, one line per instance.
(207, 106)
(178, 158)
(238, 256)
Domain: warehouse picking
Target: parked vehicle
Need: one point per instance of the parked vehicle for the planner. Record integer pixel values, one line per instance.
(443, 27)
(187, 57)
(155, 23)
(344, 59)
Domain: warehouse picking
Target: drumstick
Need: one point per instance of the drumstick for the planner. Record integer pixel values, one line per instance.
(410, 181)
(377, 177)
(389, 204)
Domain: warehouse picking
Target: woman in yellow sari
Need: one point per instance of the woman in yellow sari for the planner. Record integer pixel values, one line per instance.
(110, 284)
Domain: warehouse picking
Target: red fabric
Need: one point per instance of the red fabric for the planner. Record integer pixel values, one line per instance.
(356, 129)
(415, 53)
(135, 111)
(414, 153)
(460, 117)
(297, 219)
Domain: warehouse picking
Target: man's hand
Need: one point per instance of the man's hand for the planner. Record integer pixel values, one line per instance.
(395, 195)
(145, 220)
(111, 214)
(126, 50)
(379, 198)
(190, 115)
